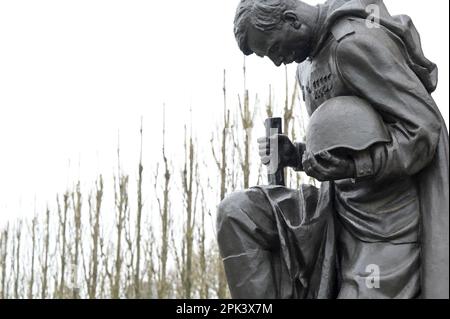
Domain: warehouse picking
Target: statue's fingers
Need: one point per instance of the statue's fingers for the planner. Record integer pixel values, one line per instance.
(263, 143)
(306, 157)
(264, 146)
(309, 168)
(306, 163)
(263, 152)
(311, 172)
(327, 156)
(265, 160)
(262, 140)
(318, 166)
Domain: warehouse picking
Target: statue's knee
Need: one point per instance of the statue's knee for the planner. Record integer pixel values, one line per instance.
(244, 205)
(233, 223)
(231, 207)
(245, 220)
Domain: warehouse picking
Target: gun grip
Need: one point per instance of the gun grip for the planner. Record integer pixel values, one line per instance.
(275, 126)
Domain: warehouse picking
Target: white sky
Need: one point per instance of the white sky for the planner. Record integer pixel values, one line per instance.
(74, 73)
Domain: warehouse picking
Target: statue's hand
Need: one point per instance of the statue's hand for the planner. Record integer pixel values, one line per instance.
(288, 154)
(328, 167)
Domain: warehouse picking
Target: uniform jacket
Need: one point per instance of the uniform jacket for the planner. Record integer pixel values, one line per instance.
(381, 61)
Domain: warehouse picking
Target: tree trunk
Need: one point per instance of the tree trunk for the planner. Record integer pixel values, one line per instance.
(137, 273)
(44, 266)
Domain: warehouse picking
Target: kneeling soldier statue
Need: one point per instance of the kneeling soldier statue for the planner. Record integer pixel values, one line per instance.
(378, 225)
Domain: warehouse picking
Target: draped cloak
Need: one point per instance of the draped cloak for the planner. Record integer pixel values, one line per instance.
(432, 181)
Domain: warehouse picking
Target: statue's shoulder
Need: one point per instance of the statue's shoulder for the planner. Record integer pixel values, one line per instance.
(350, 27)
(358, 38)
(347, 34)
(353, 29)
(342, 28)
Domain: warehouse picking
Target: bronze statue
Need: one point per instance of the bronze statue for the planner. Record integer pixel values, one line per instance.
(378, 225)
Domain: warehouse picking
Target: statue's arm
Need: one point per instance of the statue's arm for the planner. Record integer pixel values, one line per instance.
(375, 68)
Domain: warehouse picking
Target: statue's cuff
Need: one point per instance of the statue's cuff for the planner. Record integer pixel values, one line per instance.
(363, 164)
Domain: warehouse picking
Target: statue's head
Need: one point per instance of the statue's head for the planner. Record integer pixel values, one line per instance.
(278, 29)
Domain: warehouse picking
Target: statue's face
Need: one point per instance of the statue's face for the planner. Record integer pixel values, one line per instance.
(284, 46)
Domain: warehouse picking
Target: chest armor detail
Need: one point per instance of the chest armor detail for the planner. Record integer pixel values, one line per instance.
(319, 79)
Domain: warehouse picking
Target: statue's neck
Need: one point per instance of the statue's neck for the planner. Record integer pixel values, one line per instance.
(318, 27)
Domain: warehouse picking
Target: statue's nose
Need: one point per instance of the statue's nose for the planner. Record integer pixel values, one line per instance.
(277, 61)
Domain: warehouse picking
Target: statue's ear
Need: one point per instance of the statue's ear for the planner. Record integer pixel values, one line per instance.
(291, 17)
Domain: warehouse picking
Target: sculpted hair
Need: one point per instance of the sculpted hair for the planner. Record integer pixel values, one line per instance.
(264, 15)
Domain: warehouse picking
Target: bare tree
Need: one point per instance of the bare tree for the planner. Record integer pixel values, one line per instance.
(129, 257)
(149, 264)
(94, 221)
(62, 240)
(202, 254)
(178, 273)
(165, 217)
(44, 262)
(77, 203)
(121, 201)
(222, 167)
(190, 192)
(247, 118)
(4, 254)
(107, 274)
(33, 255)
(137, 273)
(18, 239)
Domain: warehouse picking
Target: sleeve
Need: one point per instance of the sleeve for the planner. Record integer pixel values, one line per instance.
(374, 67)
(363, 165)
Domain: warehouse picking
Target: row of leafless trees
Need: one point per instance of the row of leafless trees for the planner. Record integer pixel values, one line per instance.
(75, 251)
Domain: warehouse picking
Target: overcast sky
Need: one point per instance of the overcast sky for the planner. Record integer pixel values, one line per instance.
(74, 73)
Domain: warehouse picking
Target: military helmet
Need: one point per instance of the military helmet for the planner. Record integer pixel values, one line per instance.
(345, 122)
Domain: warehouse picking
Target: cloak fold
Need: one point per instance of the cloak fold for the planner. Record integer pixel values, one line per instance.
(401, 25)
(433, 181)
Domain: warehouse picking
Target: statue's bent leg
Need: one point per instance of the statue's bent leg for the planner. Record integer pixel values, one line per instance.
(248, 243)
